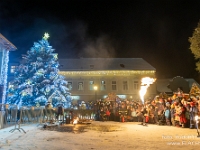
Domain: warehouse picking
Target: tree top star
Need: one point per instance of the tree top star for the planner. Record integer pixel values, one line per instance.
(46, 36)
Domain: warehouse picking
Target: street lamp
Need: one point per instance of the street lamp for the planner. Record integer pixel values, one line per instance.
(95, 89)
(97, 104)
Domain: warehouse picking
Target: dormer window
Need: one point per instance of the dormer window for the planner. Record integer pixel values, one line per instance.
(91, 66)
(122, 65)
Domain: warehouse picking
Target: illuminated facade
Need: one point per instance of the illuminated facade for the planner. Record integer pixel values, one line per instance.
(5, 47)
(121, 76)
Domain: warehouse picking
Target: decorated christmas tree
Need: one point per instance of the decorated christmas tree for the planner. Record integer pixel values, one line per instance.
(36, 80)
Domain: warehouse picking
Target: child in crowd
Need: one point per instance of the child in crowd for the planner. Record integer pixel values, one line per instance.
(167, 114)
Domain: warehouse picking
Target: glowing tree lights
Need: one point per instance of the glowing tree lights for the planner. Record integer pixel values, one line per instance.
(145, 83)
(5, 47)
(37, 80)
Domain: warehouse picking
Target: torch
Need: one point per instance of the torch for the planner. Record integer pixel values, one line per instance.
(197, 125)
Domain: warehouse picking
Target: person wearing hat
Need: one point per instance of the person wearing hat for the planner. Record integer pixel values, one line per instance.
(145, 115)
(193, 112)
(179, 93)
(172, 111)
(177, 114)
(167, 114)
(183, 119)
(48, 105)
(155, 115)
(198, 105)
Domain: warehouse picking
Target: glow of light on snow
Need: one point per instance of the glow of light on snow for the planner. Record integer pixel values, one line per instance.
(145, 83)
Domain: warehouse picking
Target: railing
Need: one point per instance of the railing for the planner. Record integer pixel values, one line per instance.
(10, 115)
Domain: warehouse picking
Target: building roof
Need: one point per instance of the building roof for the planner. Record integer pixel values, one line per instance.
(89, 64)
(6, 44)
(163, 84)
(191, 82)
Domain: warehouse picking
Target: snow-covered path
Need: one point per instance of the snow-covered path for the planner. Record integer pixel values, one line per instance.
(129, 136)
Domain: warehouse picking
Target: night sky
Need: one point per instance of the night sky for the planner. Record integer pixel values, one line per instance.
(156, 30)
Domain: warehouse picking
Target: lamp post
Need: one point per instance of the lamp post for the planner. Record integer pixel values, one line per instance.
(95, 89)
(97, 103)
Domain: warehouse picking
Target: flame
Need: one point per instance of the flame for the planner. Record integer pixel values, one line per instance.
(75, 121)
(145, 83)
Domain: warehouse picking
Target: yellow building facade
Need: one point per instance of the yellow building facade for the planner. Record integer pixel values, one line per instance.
(94, 78)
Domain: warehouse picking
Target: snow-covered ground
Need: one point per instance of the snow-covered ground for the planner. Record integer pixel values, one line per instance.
(122, 136)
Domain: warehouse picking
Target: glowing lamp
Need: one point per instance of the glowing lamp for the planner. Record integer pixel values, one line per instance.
(196, 118)
(75, 121)
(95, 88)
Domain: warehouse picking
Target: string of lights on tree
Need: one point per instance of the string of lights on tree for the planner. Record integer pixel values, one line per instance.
(36, 80)
(4, 77)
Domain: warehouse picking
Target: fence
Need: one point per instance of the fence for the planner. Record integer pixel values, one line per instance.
(10, 115)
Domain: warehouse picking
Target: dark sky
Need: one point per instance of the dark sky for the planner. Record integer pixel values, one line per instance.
(155, 30)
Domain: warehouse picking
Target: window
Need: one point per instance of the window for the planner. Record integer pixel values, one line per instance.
(136, 85)
(69, 85)
(12, 69)
(91, 85)
(125, 85)
(80, 86)
(91, 66)
(114, 85)
(103, 85)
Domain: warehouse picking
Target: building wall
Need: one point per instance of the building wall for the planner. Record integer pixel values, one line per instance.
(5, 47)
(88, 94)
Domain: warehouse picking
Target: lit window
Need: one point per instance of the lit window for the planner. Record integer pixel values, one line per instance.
(136, 85)
(69, 85)
(114, 85)
(80, 85)
(12, 69)
(103, 85)
(91, 85)
(125, 85)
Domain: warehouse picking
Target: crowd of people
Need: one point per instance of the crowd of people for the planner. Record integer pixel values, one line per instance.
(178, 110)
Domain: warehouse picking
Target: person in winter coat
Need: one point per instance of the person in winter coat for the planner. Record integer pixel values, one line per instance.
(102, 114)
(145, 115)
(167, 114)
(183, 119)
(156, 115)
(177, 114)
(193, 112)
(172, 111)
(107, 115)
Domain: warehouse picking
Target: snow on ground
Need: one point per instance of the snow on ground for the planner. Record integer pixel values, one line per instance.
(100, 135)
